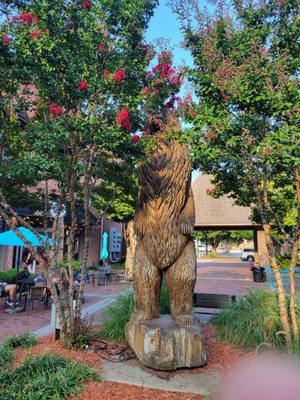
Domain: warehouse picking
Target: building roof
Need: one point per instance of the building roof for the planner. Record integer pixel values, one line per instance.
(217, 213)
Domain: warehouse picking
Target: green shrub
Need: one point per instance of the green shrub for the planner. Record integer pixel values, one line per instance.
(25, 340)
(119, 265)
(76, 266)
(44, 377)
(8, 275)
(116, 316)
(6, 356)
(252, 321)
(285, 262)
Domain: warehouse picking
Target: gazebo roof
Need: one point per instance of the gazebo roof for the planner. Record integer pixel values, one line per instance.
(220, 213)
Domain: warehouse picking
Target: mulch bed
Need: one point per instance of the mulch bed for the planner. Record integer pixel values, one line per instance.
(120, 391)
(220, 356)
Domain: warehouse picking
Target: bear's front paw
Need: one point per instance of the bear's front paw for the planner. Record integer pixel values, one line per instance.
(186, 228)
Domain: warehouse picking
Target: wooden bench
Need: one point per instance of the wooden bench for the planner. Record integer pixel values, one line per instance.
(210, 300)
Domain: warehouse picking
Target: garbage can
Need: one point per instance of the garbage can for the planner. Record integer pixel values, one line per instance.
(259, 274)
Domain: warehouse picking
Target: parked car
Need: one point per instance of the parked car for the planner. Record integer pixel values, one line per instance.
(247, 255)
(202, 248)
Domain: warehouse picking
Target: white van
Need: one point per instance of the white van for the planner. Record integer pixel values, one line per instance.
(247, 255)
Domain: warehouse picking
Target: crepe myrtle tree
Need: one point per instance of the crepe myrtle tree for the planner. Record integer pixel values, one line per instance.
(245, 122)
(79, 71)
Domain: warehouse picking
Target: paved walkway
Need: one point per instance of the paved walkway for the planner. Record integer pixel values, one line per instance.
(38, 319)
(224, 277)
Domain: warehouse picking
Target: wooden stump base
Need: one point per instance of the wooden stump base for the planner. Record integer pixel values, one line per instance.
(160, 344)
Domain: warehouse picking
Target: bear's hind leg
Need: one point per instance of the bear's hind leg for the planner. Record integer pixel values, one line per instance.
(147, 281)
(181, 279)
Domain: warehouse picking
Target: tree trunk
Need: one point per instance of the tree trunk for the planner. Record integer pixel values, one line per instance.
(280, 289)
(130, 249)
(86, 206)
(283, 312)
(294, 317)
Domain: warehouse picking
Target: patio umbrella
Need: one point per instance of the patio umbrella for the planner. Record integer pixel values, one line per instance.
(104, 251)
(10, 238)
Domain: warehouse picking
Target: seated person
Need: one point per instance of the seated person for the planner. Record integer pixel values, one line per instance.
(11, 289)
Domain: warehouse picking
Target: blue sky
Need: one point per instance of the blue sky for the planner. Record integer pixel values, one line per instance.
(165, 25)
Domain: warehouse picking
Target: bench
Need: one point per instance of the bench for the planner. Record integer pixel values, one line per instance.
(210, 300)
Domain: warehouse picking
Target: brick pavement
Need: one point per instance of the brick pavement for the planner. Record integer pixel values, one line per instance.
(212, 277)
(225, 277)
(32, 320)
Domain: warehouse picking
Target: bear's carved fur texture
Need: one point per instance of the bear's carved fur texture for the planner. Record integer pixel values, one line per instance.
(164, 223)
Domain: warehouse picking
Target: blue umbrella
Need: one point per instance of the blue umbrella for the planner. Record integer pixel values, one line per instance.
(10, 238)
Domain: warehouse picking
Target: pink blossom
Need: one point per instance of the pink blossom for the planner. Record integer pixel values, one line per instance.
(169, 104)
(135, 138)
(166, 70)
(86, 5)
(72, 112)
(82, 85)
(31, 113)
(155, 92)
(123, 119)
(102, 48)
(225, 73)
(157, 68)
(26, 17)
(35, 35)
(55, 110)
(175, 80)
(145, 90)
(106, 74)
(119, 75)
(165, 57)
(6, 39)
(225, 97)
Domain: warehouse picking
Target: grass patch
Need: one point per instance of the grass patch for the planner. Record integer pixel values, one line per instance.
(44, 377)
(6, 355)
(25, 341)
(116, 316)
(250, 322)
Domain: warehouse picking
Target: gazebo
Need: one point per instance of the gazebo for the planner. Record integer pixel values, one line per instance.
(223, 214)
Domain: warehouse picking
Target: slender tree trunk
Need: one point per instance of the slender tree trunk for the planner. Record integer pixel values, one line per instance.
(280, 290)
(86, 206)
(70, 241)
(283, 312)
(293, 314)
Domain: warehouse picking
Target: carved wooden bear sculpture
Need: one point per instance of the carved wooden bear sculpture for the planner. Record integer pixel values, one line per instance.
(164, 223)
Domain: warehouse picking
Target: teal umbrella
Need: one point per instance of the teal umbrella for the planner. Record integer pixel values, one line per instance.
(104, 251)
(10, 238)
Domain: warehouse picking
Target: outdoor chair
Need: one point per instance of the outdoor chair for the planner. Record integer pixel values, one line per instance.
(121, 278)
(38, 294)
(101, 277)
(91, 276)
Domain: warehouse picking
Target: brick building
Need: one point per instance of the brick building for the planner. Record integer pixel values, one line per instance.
(11, 256)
